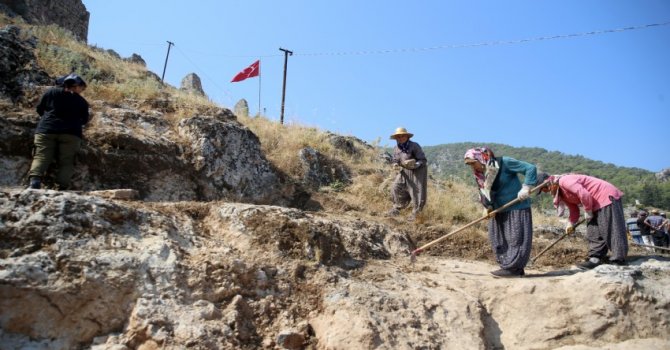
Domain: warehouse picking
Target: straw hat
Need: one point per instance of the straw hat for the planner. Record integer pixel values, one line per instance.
(401, 131)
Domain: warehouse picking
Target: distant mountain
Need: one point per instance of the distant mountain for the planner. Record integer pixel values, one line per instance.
(446, 161)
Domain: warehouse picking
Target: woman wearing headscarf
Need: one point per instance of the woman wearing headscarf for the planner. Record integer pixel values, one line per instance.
(603, 212)
(410, 183)
(511, 230)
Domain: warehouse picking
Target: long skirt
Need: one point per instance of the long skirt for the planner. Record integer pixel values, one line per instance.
(607, 230)
(511, 236)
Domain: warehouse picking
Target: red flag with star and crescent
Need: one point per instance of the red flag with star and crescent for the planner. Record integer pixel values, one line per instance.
(253, 70)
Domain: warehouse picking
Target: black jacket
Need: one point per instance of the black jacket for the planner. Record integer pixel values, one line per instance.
(62, 112)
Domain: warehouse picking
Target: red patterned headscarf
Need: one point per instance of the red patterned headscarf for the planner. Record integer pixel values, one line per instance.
(483, 155)
(485, 179)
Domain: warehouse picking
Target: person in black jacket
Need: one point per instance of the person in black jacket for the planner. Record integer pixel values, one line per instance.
(58, 135)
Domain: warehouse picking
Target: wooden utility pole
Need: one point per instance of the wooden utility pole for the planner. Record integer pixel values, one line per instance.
(283, 92)
(166, 59)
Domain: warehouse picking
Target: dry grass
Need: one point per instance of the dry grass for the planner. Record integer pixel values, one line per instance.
(282, 143)
(452, 202)
(116, 81)
(109, 78)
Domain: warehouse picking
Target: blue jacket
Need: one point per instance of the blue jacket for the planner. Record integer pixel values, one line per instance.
(507, 185)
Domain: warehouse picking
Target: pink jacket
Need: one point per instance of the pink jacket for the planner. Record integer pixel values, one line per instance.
(591, 192)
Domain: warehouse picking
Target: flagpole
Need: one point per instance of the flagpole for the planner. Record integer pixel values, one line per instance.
(259, 88)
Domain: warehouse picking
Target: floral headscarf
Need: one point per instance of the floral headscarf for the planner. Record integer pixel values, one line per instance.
(559, 204)
(485, 156)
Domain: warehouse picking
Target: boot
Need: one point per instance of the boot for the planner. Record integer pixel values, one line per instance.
(392, 213)
(589, 263)
(35, 183)
(514, 272)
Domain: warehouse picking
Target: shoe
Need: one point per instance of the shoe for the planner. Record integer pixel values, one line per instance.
(619, 262)
(393, 212)
(35, 183)
(589, 263)
(508, 273)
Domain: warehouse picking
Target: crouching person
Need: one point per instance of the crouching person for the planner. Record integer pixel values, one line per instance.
(63, 113)
(603, 212)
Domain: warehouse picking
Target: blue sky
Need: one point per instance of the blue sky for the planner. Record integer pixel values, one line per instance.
(363, 68)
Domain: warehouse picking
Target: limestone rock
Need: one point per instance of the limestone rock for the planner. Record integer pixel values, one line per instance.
(290, 340)
(320, 171)
(228, 158)
(18, 65)
(241, 108)
(137, 59)
(191, 84)
(202, 158)
(123, 194)
(80, 271)
(68, 14)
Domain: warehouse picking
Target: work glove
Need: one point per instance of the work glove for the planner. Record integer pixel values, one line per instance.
(588, 215)
(570, 228)
(417, 165)
(524, 193)
(409, 164)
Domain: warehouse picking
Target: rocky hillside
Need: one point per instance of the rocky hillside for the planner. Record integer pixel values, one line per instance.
(191, 227)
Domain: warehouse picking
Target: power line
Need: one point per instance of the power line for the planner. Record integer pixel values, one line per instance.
(487, 43)
(432, 48)
(456, 46)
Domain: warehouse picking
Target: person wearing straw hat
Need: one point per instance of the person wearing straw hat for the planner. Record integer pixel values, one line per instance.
(511, 230)
(410, 183)
(603, 211)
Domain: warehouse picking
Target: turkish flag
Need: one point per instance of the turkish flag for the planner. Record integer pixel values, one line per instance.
(253, 70)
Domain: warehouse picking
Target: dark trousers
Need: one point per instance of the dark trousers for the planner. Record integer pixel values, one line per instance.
(64, 147)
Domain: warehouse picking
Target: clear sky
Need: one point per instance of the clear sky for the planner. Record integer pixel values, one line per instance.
(363, 68)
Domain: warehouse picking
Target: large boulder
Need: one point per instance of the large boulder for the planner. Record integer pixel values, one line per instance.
(319, 170)
(228, 158)
(69, 14)
(78, 271)
(205, 157)
(18, 65)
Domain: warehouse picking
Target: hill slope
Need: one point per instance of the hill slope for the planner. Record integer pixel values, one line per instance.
(257, 235)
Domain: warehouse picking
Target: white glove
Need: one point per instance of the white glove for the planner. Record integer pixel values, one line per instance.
(570, 228)
(524, 193)
(588, 215)
(417, 165)
(409, 164)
